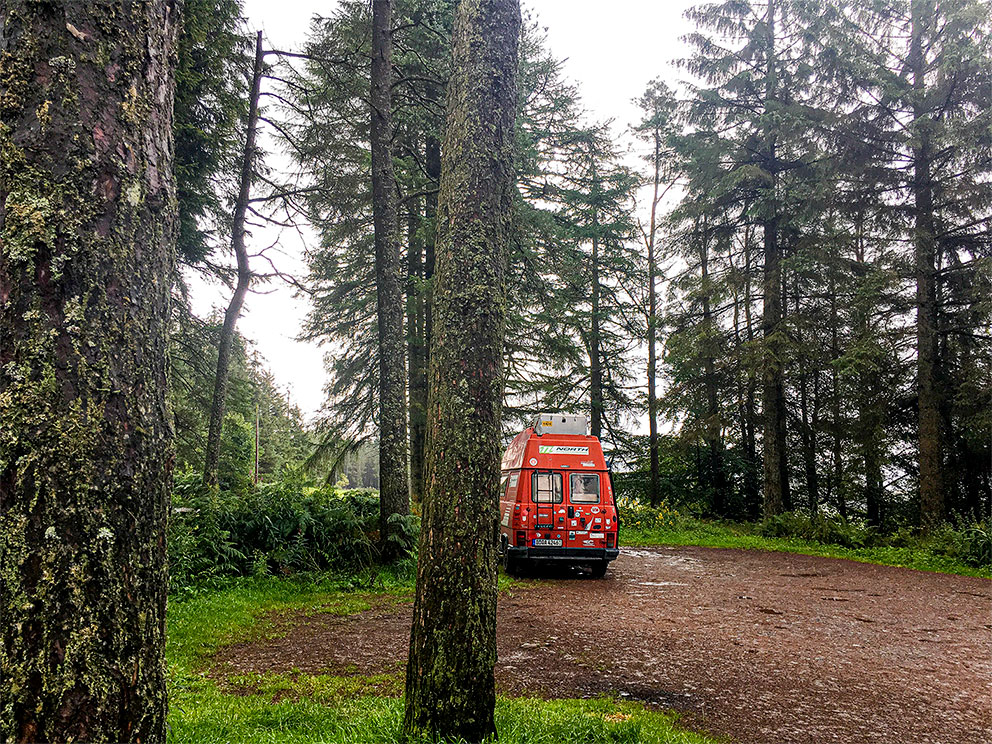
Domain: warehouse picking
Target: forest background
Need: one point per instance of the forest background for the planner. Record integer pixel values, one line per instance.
(810, 206)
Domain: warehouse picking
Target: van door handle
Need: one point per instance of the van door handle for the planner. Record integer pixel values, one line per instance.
(571, 512)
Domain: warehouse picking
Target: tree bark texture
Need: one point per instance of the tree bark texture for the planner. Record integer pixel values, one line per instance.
(450, 687)
(87, 236)
(773, 386)
(233, 312)
(394, 486)
(931, 453)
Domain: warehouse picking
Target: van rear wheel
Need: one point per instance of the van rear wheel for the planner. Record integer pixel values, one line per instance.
(597, 570)
(511, 565)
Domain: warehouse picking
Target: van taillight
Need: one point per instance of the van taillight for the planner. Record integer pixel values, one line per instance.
(610, 537)
(521, 538)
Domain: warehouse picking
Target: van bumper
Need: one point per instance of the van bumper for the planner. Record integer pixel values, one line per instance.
(575, 555)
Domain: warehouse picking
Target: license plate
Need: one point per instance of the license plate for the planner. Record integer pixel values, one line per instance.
(545, 543)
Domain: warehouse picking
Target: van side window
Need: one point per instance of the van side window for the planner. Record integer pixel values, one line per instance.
(583, 488)
(502, 486)
(545, 488)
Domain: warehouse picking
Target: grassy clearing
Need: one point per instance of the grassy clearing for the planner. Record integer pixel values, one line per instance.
(710, 534)
(326, 709)
(224, 719)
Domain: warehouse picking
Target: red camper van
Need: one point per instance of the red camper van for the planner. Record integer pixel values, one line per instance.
(556, 499)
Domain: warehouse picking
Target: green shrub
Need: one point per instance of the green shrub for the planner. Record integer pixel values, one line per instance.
(273, 528)
(978, 546)
(971, 544)
(237, 454)
(822, 528)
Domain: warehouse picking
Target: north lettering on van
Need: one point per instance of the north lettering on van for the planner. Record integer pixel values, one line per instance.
(551, 449)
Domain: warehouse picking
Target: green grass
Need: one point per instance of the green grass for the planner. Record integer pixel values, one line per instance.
(317, 709)
(711, 534)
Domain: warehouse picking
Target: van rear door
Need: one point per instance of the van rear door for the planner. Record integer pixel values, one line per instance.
(547, 495)
(586, 510)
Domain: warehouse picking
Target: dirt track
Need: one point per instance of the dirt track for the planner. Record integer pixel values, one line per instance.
(760, 647)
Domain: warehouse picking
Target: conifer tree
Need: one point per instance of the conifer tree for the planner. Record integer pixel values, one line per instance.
(656, 129)
(394, 489)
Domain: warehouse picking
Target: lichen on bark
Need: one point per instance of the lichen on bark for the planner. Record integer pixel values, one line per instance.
(86, 235)
(450, 688)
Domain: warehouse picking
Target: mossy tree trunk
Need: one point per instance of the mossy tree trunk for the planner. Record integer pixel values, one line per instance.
(233, 313)
(394, 486)
(450, 688)
(87, 234)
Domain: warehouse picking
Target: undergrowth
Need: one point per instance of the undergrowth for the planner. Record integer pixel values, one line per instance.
(273, 529)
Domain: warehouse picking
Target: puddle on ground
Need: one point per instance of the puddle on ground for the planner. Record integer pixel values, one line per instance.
(661, 583)
(673, 561)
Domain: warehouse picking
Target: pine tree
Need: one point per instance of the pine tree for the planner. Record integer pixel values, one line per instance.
(213, 55)
(924, 69)
(238, 235)
(656, 129)
(394, 491)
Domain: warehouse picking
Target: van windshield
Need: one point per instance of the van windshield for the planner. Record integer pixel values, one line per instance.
(584, 488)
(546, 488)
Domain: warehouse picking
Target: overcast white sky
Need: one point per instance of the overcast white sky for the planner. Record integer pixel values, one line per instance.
(612, 50)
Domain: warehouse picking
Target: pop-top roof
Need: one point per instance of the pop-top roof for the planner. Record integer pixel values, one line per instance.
(560, 423)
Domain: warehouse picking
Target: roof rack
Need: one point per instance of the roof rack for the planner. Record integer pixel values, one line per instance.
(560, 423)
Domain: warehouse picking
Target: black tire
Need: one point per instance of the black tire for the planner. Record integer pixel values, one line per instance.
(511, 565)
(597, 570)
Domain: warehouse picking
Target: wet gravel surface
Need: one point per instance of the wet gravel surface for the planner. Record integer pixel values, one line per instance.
(763, 648)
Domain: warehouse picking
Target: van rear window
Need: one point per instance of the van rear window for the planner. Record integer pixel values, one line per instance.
(546, 488)
(584, 488)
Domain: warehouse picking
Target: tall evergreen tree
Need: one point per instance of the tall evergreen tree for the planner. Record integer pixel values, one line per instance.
(238, 235)
(656, 129)
(213, 53)
(394, 489)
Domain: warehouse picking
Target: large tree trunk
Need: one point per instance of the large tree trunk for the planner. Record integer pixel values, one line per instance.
(87, 235)
(394, 487)
(773, 385)
(450, 686)
(233, 312)
(925, 244)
